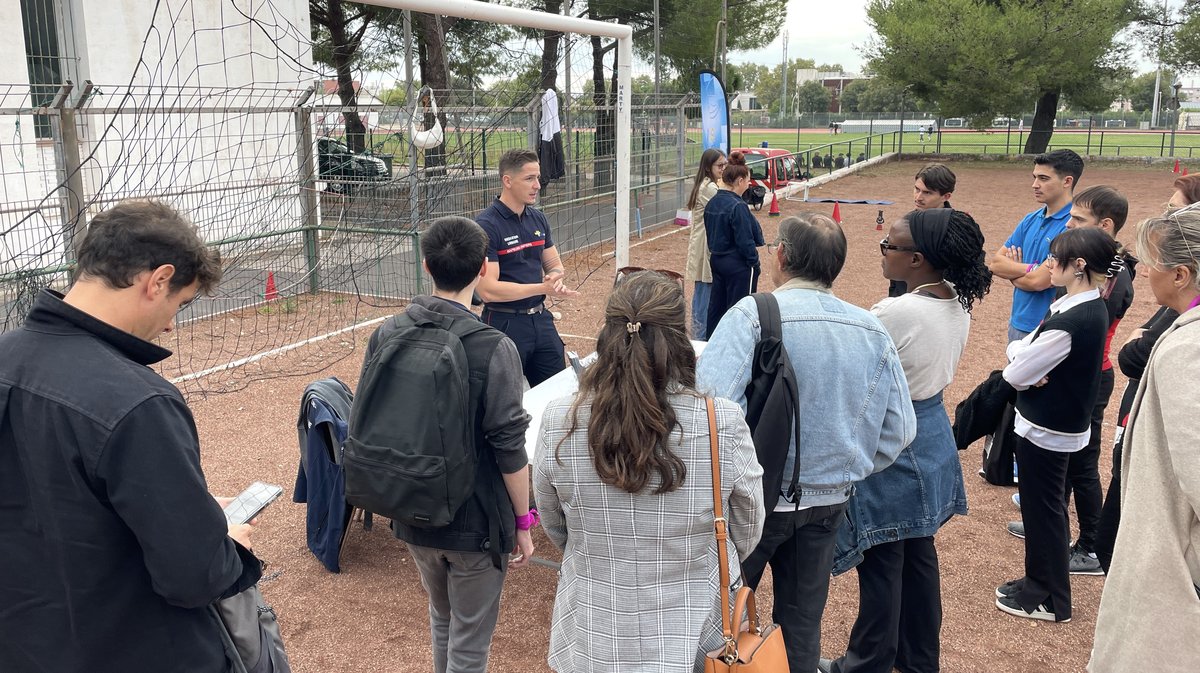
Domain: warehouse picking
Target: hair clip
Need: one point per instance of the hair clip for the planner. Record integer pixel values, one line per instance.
(1115, 266)
(633, 327)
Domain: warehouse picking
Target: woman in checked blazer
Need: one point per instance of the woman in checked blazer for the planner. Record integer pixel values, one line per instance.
(623, 481)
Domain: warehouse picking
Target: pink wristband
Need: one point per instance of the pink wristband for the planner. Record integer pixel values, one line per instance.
(527, 521)
(1031, 267)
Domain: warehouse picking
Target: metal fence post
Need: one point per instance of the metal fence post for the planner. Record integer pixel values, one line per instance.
(70, 175)
(681, 143)
(308, 190)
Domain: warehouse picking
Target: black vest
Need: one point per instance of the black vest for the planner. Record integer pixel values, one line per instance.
(1065, 403)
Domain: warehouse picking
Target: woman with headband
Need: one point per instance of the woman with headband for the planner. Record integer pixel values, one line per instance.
(895, 513)
(623, 480)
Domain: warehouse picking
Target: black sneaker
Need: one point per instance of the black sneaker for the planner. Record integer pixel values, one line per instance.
(1011, 606)
(824, 665)
(1084, 562)
(1010, 589)
(1016, 529)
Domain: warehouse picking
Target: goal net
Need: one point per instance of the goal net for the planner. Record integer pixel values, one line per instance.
(300, 168)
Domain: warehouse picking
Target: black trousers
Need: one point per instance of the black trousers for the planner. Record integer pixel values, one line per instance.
(1083, 471)
(899, 610)
(732, 279)
(537, 340)
(1110, 514)
(799, 547)
(1047, 532)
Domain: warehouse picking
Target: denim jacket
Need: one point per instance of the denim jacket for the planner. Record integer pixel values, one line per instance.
(855, 411)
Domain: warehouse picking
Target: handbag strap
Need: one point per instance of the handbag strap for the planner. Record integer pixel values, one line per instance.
(730, 653)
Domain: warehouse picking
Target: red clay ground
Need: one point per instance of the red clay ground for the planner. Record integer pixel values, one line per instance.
(372, 616)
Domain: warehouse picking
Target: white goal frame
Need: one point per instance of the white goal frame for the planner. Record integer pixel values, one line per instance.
(486, 11)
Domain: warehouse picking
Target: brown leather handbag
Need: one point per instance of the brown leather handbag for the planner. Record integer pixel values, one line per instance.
(755, 648)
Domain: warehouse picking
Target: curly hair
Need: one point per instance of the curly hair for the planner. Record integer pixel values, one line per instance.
(961, 252)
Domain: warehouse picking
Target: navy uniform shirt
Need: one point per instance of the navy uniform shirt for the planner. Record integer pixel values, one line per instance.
(516, 244)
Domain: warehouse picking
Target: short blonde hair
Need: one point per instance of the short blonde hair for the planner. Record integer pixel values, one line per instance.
(1173, 240)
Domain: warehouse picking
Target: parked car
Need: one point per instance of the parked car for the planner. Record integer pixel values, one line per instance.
(341, 168)
(771, 168)
(954, 123)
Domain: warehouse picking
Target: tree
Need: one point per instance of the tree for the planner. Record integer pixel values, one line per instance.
(339, 32)
(689, 34)
(769, 83)
(1140, 90)
(813, 97)
(852, 94)
(998, 56)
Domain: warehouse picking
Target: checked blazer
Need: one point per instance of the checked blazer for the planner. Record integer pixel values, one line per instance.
(638, 587)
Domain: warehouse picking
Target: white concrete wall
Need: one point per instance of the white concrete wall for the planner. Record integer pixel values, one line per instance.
(195, 54)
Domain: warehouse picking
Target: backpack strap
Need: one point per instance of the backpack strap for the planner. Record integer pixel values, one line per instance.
(464, 327)
(771, 326)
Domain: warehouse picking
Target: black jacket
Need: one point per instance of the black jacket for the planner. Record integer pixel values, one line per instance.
(500, 423)
(110, 545)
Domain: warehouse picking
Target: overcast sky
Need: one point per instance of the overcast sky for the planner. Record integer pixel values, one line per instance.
(830, 32)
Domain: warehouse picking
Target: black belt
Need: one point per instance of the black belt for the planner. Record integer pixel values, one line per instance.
(533, 310)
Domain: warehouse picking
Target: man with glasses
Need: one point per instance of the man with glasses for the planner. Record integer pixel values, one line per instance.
(111, 547)
(856, 416)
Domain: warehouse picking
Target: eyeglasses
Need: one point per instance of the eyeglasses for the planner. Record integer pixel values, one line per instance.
(772, 247)
(625, 272)
(884, 246)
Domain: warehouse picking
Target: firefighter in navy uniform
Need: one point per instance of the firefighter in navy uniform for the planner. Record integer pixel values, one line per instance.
(523, 268)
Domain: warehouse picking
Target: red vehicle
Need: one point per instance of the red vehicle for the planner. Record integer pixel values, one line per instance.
(771, 168)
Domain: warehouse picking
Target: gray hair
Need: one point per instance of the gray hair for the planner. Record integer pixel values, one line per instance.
(814, 247)
(1172, 240)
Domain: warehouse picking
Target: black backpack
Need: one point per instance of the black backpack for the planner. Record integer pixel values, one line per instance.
(411, 454)
(772, 404)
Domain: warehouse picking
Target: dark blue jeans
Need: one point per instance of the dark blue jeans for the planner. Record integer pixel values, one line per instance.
(799, 547)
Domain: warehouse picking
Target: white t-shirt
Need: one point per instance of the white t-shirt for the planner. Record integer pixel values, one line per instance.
(930, 334)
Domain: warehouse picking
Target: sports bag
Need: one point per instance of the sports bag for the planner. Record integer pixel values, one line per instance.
(772, 401)
(410, 454)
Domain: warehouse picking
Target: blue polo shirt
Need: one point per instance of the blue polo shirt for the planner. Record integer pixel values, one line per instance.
(516, 243)
(1033, 236)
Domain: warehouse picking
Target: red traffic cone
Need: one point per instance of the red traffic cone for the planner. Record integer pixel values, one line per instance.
(1185, 170)
(1176, 169)
(837, 213)
(774, 212)
(271, 293)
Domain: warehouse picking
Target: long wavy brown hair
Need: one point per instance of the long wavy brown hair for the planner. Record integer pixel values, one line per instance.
(643, 354)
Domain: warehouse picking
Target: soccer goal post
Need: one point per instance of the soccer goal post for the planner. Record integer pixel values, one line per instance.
(486, 11)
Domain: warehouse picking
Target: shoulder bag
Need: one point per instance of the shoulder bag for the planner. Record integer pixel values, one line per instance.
(754, 648)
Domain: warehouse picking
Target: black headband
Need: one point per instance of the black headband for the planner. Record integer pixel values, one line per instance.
(928, 228)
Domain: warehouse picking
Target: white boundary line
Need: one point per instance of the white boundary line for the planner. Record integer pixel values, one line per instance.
(648, 240)
(577, 336)
(274, 351)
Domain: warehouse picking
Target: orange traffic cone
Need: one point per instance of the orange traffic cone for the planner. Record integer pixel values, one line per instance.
(271, 293)
(837, 213)
(1176, 170)
(774, 212)
(1185, 170)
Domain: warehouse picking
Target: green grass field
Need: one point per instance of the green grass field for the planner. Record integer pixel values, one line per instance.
(467, 148)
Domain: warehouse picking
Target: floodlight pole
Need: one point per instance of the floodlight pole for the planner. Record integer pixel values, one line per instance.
(623, 34)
